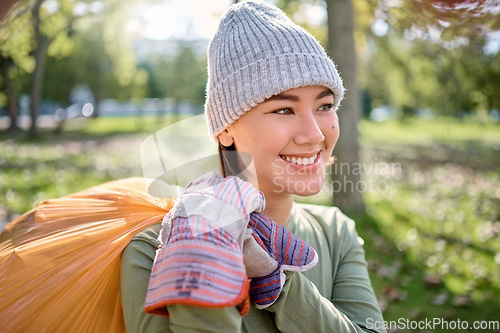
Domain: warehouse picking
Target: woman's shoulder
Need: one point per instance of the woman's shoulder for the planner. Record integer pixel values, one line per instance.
(141, 249)
(149, 235)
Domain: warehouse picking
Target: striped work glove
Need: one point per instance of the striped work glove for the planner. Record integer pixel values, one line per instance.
(200, 260)
(291, 253)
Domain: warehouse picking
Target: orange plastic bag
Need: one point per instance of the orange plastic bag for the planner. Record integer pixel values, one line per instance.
(60, 262)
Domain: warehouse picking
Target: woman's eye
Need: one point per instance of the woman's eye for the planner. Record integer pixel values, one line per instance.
(284, 111)
(326, 107)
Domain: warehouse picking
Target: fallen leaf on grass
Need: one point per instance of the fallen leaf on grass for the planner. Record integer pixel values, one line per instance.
(433, 280)
(440, 299)
(462, 300)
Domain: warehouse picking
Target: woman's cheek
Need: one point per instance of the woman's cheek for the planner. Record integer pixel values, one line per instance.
(336, 128)
(331, 130)
(335, 119)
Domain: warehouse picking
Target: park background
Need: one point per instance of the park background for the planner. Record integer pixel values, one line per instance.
(422, 111)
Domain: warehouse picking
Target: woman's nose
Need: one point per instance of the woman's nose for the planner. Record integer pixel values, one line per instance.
(308, 131)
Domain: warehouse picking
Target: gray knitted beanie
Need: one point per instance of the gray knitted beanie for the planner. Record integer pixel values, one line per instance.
(258, 52)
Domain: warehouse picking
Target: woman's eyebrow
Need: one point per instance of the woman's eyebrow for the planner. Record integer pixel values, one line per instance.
(294, 98)
(324, 93)
(283, 97)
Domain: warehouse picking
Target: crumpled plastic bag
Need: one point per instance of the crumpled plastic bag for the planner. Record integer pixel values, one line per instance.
(60, 262)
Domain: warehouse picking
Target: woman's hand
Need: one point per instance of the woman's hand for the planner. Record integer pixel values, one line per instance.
(291, 253)
(200, 260)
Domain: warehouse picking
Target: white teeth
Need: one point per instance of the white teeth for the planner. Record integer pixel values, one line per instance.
(300, 160)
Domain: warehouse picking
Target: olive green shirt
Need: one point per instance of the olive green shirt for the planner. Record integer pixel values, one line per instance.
(334, 296)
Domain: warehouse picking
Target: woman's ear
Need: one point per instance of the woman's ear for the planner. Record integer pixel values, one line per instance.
(225, 138)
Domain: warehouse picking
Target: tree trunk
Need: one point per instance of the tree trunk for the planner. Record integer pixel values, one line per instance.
(11, 96)
(97, 102)
(40, 53)
(347, 166)
(177, 109)
(61, 118)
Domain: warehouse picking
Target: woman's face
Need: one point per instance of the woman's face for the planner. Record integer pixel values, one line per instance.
(290, 137)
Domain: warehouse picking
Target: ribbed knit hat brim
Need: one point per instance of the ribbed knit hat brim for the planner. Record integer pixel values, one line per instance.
(258, 52)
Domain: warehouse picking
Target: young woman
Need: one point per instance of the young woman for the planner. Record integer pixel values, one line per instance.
(272, 93)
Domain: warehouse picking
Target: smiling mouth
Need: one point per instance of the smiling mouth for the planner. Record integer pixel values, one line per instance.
(300, 160)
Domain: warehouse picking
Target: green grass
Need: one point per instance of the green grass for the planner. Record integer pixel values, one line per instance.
(86, 153)
(432, 239)
(106, 126)
(400, 279)
(414, 131)
(32, 172)
(439, 218)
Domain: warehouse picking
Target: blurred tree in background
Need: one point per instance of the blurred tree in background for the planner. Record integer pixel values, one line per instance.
(185, 77)
(341, 46)
(431, 54)
(181, 77)
(76, 43)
